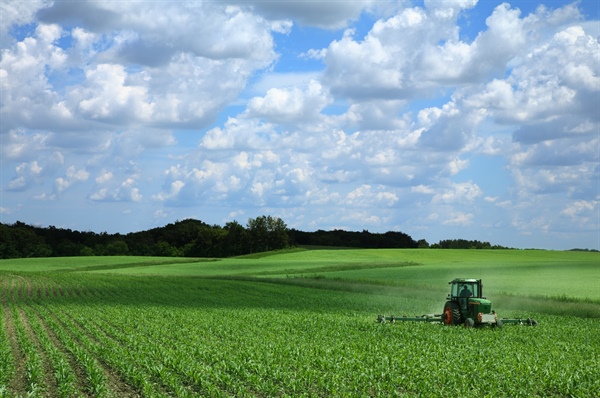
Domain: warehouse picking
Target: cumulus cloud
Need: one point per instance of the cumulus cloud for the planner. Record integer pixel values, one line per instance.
(419, 50)
(126, 191)
(104, 96)
(16, 13)
(25, 175)
(458, 193)
(544, 88)
(366, 196)
(180, 81)
(205, 105)
(460, 219)
(72, 176)
(290, 105)
(31, 174)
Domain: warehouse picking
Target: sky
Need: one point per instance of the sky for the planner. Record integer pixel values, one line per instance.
(442, 119)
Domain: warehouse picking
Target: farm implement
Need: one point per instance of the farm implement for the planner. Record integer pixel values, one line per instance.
(465, 305)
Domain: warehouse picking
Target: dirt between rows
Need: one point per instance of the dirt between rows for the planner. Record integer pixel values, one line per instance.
(18, 383)
(50, 385)
(114, 382)
(16, 290)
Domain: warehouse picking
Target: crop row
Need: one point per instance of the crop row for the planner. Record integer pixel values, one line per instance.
(106, 335)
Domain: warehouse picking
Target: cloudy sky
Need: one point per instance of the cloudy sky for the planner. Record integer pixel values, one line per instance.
(442, 119)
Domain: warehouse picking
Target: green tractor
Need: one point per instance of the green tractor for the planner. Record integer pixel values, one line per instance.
(465, 305)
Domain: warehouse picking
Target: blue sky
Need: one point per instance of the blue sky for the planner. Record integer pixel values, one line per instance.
(441, 119)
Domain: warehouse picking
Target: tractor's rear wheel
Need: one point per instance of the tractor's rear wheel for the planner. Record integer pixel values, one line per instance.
(452, 314)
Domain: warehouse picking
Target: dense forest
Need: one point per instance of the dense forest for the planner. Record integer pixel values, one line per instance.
(194, 238)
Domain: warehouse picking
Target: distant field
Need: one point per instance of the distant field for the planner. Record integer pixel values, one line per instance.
(516, 272)
(296, 323)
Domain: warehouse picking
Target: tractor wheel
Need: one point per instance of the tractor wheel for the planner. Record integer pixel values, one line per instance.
(499, 324)
(469, 323)
(451, 313)
(532, 322)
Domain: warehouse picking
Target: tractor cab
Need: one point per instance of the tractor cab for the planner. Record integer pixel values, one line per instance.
(465, 288)
(466, 301)
(460, 285)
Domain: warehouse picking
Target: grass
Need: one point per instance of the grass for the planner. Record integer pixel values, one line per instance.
(565, 280)
(89, 263)
(515, 272)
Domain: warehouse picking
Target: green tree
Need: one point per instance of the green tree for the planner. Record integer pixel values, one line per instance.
(117, 248)
(267, 233)
(236, 240)
(164, 249)
(277, 233)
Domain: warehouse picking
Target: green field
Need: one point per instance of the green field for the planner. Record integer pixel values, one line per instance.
(297, 323)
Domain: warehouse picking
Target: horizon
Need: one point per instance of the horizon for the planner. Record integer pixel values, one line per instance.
(494, 245)
(465, 118)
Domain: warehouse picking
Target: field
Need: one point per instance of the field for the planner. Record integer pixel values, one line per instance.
(296, 323)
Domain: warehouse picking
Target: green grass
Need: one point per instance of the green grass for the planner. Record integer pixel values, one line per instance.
(509, 272)
(89, 263)
(553, 282)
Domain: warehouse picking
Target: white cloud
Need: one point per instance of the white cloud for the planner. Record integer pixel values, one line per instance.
(458, 193)
(72, 176)
(31, 174)
(118, 76)
(459, 219)
(125, 191)
(290, 105)
(104, 96)
(366, 196)
(456, 165)
(384, 134)
(553, 80)
(16, 13)
(419, 50)
(581, 206)
(423, 189)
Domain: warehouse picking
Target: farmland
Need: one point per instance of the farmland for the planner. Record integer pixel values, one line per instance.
(296, 323)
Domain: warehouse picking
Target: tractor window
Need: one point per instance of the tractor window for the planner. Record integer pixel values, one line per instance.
(465, 290)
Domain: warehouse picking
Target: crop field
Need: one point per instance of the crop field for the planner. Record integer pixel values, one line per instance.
(297, 323)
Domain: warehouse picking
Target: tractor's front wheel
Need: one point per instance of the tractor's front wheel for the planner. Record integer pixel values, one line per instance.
(452, 313)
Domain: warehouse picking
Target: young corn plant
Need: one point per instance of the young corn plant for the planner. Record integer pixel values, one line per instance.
(63, 373)
(34, 369)
(6, 357)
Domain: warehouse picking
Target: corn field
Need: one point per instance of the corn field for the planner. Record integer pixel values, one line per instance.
(74, 334)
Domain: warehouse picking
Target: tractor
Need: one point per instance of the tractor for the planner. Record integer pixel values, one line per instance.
(465, 305)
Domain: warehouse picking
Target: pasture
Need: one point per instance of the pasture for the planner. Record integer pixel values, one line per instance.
(296, 323)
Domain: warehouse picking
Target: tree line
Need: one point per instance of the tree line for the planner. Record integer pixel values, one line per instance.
(186, 238)
(194, 238)
(364, 239)
(464, 244)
